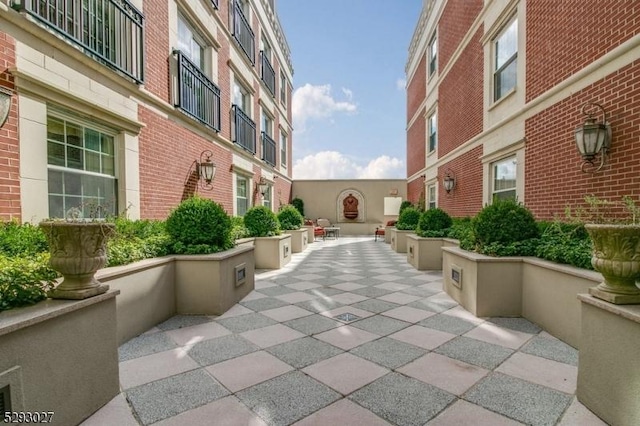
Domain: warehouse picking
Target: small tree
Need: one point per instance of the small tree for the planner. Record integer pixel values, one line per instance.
(404, 205)
(408, 220)
(299, 205)
(433, 223)
(289, 217)
(260, 221)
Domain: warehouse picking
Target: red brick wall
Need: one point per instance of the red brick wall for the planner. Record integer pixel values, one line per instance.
(416, 145)
(167, 152)
(224, 83)
(552, 169)
(460, 102)
(456, 19)
(156, 48)
(9, 144)
(415, 189)
(466, 198)
(583, 30)
(417, 89)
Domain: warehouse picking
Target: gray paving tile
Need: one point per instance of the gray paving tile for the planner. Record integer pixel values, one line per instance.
(380, 325)
(243, 323)
(303, 352)
(419, 291)
(433, 305)
(553, 349)
(402, 400)
(173, 395)
(517, 324)
(145, 344)
(221, 349)
(520, 400)
(266, 302)
(325, 291)
(312, 324)
(475, 352)
(283, 280)
(287, 398)
(372, 291)
(319, 305)
(375, 306)
(277, 290)
(448, 323)
(181, 321)
(388, 352)
(329, 280)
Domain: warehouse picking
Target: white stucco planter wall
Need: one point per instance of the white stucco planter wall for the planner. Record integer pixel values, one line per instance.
(272, 252)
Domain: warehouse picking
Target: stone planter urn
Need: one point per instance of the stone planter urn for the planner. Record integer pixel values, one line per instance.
(616, 255)
(78, 250)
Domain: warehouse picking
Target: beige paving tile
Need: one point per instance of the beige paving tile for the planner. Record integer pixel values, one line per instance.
(462, 313)
(235, 311)
(345, 372)
(408, 314)
(248, 370)
(348, 298)
(346, 337)
(348, 286)
(466, 413)
(272, 335)
(296, 297)
(491, 333)
(227, 411)
(254, 295)
(545, 372)
(399, 298)
(303, 286)
(149, 368)
(392, 286)
(264, 284)
(197, 333)
(152, 330)
(347, 309)
(116, 412)
(422, 337)
(286, 313)
(433, 285)
(578, 414)
(343, 412)
(454, 376)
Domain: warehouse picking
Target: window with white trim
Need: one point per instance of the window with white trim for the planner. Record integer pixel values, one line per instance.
(242, 195)
(241, 97)
(432, 128)
(431, 197)
(266, 198)
(504, 179)
(283, 148)
(283, 89)
(190, 43)
(433, 55)
(266, 123)
(81, 168)
(505, 47)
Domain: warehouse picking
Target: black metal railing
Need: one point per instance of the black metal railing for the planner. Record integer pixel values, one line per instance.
(109, 31)
(245, 130)
(243, 33)
(268, 74)
(268, 149)
(198, 96)
(215, 4)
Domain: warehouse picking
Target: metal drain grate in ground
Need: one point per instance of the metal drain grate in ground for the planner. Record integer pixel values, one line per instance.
(347, 317)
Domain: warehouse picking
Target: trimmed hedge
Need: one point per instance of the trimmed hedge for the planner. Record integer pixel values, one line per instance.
(434, 223)
(261, 222)
(408, 220)
(290, 218)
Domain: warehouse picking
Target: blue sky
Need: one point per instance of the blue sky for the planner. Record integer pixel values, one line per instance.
(349, 99)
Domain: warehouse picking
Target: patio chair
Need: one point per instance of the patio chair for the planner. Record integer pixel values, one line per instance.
(318, 230)
(380, 230)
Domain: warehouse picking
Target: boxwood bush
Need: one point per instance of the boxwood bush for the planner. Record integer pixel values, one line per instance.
(24, 280)
(238, 230)
(408, 220)
(299, 205)
(404, 205)
(290, 218)
(199, 226)
(434, 223)
(261, 222)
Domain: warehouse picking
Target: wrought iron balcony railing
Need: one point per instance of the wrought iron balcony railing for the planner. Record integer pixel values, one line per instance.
(243, 33)
(198, 96)
(268, 74)
(245, 130)
(215, 4)
(268, 149)
(109, 31)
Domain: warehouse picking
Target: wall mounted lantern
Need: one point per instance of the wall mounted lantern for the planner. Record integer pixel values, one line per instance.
(593, 137)
(449, 181)
(5, 104)
(262, 186)
(205, 170)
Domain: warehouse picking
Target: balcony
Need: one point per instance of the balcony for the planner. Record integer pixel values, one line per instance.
(198, 97)
(243, 33)
(215, 4)
(245, 130)
(268, 150)
(109, 31)
(268, 75)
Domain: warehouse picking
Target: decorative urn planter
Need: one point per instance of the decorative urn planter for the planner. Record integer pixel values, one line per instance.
(78, 250)
(616, 255)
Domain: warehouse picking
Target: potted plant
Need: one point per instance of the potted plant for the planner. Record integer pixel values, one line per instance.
(272, 250)
(407, 223)
(291, 221)
(424, 250)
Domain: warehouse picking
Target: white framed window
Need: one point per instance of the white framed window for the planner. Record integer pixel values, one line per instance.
(241, 97)
(266, 47)
(433, 55)
(504, 174)
(505, 47)
(266, 198)
(81, 168)
(432, 129)
(431, 197)
(266, 123)
(242, 195)
(190, 43)
(283, 89)
(283, 148)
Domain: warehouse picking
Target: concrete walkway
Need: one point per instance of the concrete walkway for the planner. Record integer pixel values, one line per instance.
(347, 334)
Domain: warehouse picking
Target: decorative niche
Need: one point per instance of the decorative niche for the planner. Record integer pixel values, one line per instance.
(351, 206)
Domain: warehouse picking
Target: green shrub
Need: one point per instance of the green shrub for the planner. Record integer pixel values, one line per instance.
(290, 218)
(408, 220)
(24, 280)
(404, 205)
(122, 251)
(502, 223)
(21, 240)
(299, 205)
(462, 230)
(261, 222)
(238, 230)
(434, 223)
(565, 243)
(141, 228)
(199, 226)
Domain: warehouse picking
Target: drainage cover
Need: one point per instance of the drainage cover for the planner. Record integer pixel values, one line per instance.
(347, 317)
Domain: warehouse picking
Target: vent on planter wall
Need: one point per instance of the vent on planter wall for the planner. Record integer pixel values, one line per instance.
(241, 274)
(456, 276)
(5, 401)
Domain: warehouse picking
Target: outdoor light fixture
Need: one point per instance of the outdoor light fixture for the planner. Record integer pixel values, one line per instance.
(449, 181)
(5, 104)
(263, 186)
(593, 137)
(205, 170)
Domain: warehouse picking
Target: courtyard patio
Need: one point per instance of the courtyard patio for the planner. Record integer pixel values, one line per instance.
(347, 333)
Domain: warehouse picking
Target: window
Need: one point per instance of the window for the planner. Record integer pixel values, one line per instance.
(504, 179)
(81, 169)
(244, 129)
(190, 44)
(241, 98)
(506, 54)
(266, 48)
(266, 124)
(266, 199)
(283, 89)
(268, 144)
(431, 197)
(242, 198)
(433, 55)
(433, 132)
(283, 149)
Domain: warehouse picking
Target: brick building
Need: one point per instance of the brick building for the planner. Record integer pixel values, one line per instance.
(117, 103)
(495, 92)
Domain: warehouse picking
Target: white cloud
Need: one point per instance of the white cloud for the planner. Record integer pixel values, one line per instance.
(315, 102)
(348, 93)
(335, 165)
(401, 83)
